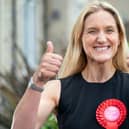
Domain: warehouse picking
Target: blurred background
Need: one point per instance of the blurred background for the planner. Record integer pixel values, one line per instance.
(25, 26)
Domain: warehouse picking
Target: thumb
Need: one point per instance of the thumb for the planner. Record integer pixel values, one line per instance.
(50, 47)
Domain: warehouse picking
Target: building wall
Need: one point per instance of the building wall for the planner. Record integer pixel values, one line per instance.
(57, 21)
(122, 6)
(30, 35)
(5, 34)
(20, 29)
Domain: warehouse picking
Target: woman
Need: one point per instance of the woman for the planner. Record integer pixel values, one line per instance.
(94, 69)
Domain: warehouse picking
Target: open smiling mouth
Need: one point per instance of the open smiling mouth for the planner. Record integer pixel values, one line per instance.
(101, 48)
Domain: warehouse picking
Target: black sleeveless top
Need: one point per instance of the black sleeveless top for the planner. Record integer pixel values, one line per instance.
(80, 99)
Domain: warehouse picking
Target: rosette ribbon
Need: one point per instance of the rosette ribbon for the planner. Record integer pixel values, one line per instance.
(111, 113)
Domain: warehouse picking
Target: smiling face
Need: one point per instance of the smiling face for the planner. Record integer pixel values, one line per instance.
(100, 37)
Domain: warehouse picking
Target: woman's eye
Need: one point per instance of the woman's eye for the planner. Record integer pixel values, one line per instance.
(92, 32)
(109, 30)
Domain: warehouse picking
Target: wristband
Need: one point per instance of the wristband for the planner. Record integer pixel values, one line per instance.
(32, 86)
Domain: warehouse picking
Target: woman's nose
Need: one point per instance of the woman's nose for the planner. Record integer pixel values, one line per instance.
(101, 37)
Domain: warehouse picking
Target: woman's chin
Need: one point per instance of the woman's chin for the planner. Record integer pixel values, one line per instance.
(103, 60)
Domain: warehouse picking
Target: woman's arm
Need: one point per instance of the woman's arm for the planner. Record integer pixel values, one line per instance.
(49, 100)
(33, 102)
(25, 114)
(34, 108)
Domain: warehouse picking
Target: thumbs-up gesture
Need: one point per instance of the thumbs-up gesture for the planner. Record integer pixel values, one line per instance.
(49, 66)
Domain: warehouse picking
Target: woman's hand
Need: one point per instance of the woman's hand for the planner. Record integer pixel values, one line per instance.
(49, 66)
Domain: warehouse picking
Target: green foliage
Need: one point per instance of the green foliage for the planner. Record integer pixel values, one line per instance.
(51, 123)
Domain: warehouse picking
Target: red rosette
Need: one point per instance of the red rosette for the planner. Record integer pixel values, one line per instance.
(111, 113)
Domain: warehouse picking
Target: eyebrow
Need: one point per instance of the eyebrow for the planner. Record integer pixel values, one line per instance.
(90, 28)
(109, 26)
(95, 28)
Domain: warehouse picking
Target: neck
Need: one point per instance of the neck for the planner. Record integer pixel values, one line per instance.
(98, 72)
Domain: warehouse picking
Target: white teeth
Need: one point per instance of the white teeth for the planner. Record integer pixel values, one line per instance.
(101, 48)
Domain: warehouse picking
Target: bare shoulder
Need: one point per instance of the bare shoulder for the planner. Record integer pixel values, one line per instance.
(52, 91)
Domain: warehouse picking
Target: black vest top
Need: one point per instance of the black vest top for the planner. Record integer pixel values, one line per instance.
(80, 99)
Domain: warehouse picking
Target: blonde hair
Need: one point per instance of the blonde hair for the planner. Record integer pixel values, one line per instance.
(75, 59)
